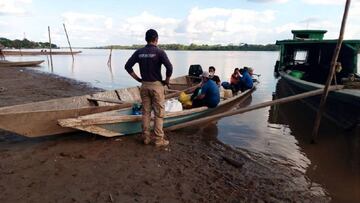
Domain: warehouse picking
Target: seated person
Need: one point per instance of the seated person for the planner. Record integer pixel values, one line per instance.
(245, 81)
(209, 93)
(214, 77)
(234, 79)
(249, 70)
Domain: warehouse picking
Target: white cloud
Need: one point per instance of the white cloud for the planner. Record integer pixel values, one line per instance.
(352, 29)
(208, 26)
(219, 25)
(325, 2)
(87, 22)
(137, 25)
(269, 1)
(13, 7)
(84, 27)
(354, 11)
(3, 23)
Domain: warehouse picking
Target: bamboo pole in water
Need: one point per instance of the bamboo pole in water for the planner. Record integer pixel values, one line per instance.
(67, 37)
(315, 131)
(51, 61)
(110, 55)
(253, 107)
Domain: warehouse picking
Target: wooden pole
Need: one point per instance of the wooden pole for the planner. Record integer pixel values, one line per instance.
(110, 55)
(315, 131)
(253, 107)
(67, 37)
(51, 61)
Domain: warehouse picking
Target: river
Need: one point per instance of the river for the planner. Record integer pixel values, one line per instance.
(281, 133)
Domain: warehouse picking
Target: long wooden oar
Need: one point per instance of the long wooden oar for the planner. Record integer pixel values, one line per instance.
(254, 107)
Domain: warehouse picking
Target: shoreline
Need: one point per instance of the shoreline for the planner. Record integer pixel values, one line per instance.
(82, 167)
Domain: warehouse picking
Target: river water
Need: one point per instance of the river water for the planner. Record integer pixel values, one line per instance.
(280, 132)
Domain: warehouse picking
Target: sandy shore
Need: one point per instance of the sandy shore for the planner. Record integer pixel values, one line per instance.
(81, 167)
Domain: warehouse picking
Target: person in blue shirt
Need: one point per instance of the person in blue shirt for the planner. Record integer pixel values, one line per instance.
(209, 93)
(246, 81)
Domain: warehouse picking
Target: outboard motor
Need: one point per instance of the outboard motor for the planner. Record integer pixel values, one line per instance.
(195, 70)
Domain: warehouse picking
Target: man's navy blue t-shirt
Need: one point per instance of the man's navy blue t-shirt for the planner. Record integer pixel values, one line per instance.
(150, 59)
(212, 94)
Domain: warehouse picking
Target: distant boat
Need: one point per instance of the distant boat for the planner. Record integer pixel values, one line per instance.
(305, 62)
(37, 52)
(6, 63)
(40, 118)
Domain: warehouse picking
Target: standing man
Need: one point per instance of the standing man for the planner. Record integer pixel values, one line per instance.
(152, 92)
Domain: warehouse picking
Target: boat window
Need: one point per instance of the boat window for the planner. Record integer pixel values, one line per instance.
(303, 36)
(300, 56)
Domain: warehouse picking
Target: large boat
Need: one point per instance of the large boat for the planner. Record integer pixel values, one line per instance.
(122, 122)
(6, 63)
(40, 118)
(305, 63)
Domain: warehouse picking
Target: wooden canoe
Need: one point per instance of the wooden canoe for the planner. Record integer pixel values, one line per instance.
(34, 53)
(121, 122)
(40, 118)
(5, 63)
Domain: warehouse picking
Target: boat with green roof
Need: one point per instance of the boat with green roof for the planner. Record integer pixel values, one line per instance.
(304, 63)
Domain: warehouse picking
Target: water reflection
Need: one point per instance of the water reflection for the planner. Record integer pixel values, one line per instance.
(335, 160)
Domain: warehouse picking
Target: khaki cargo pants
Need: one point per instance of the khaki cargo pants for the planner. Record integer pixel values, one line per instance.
(153, 97)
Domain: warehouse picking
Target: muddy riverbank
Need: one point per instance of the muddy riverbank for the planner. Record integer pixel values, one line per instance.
(80, 167)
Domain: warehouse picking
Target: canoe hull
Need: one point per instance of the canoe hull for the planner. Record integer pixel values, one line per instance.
(45, 122)
(20, 63)
(117, 123)
(40, 118)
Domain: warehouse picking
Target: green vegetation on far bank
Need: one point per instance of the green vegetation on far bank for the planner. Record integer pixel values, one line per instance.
(203, 47)
(25, 44)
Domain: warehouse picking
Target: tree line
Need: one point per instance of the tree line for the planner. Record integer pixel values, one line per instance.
(203, 47)
(25, 44)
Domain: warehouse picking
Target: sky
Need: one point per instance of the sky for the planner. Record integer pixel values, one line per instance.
(124, 22)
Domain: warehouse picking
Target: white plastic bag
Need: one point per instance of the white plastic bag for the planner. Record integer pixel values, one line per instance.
(173, 105)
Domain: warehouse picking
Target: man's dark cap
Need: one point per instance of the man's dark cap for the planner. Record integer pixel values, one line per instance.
(151, 35)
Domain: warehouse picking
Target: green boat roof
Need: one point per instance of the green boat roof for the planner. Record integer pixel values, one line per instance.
(308, 31)
(327, 41)
(315, 37)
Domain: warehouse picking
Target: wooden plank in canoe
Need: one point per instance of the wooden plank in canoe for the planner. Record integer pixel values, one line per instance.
(114, 101)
